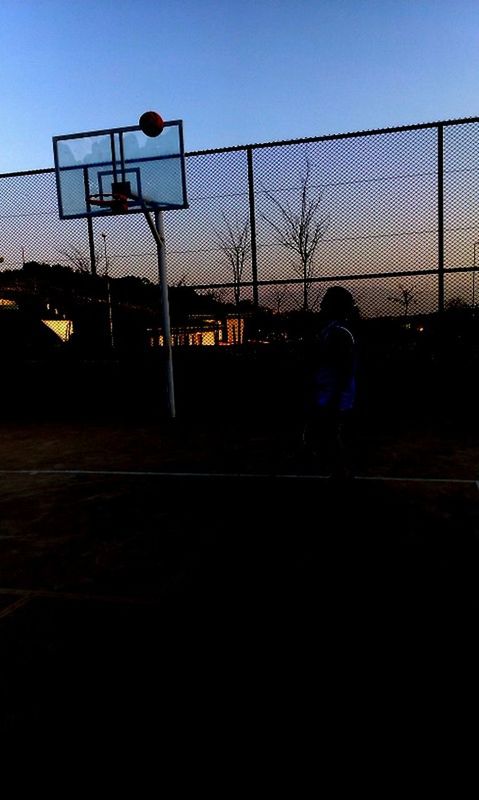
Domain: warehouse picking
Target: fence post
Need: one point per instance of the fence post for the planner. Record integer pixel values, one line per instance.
(91, 244)
(252, 225)
(440, 216)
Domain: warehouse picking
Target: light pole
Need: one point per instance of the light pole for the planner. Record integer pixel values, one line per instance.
(108, 294)
(476, 244)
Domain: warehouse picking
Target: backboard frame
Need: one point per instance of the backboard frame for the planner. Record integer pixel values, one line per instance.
(118, 168)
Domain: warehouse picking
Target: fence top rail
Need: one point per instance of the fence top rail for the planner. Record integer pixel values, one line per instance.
(24, 173)
(333, 136)
(279, 143)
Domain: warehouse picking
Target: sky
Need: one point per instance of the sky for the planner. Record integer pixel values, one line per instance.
(236, 72)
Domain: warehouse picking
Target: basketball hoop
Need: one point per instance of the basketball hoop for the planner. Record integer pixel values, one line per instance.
(126, 178)
(117, 203)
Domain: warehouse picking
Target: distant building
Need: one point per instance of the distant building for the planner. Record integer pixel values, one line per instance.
(202, 331)
(62, 327)
(8, 305)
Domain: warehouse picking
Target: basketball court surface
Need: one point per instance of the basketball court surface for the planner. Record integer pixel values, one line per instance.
(145, 570)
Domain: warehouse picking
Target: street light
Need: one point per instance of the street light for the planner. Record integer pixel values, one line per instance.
(108, 294)
(103, 235)
(476, 244)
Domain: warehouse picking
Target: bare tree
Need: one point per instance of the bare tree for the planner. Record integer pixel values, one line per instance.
(235, 244)
(300, 229)
(456, 304)
(78, 259)
(405, 298)
(217, 295)
(279, 292)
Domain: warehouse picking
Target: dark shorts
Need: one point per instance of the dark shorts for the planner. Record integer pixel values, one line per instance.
(326, 439)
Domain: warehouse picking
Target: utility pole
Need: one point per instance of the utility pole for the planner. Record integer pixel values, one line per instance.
(474, 281)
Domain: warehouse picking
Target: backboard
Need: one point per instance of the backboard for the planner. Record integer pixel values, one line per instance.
(92, 164)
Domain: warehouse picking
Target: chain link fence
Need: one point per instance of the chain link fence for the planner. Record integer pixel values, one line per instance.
(391, 214)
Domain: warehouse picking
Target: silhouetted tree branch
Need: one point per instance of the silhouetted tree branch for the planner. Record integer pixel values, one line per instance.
(300, 229)
(234, 242)
(405, 298)
(78, 259)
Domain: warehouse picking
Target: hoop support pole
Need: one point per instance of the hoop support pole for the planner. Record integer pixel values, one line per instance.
(157, 229)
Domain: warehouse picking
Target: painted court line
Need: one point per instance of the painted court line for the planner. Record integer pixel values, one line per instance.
(25, 595)
(242, 475)
(20, 603)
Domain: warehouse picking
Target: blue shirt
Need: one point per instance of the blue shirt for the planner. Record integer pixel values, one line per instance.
(335, 376)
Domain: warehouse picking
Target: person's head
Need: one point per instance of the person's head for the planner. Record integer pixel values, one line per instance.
(338, 303)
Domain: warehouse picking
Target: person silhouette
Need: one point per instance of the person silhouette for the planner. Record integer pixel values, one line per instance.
(332, 386)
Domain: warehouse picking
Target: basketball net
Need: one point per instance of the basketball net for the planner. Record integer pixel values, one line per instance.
(118, 203)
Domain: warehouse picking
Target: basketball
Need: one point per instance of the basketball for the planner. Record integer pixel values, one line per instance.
(151, 123)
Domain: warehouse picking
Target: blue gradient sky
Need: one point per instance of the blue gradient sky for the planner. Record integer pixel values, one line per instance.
(235, 72)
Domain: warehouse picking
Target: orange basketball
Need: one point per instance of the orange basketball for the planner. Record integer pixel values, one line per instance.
(151, 123)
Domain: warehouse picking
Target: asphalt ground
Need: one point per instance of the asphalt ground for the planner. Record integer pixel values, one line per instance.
(130, 596)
